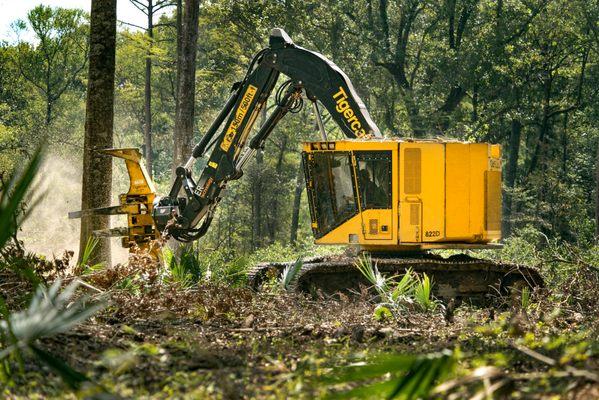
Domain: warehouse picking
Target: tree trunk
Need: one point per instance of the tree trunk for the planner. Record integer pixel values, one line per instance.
(297, 199)
(179, 23)
(474, 103)
(274, 203)
(99, 119)
(184, 120)
(148, 92)
(48, 110)
(545, 127)
(511, 174)
(257, 201)
(257, 192)
(597, 193)
(409, 103)
(565, 148)
(453, 100)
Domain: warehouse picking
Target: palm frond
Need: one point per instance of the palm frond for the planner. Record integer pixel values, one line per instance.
(13, 195)
(391, 376)
(48, 315)
(90, 246)
(405, 286)
(423, 293)
(370, 271)
(51, 311)
(290, 272)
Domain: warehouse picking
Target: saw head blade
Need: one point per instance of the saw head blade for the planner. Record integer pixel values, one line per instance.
(137, 204)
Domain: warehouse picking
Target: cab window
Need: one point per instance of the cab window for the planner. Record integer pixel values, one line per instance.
(333, 196)
(374, 179)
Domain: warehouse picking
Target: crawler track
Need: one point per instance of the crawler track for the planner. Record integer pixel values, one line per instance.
(458, 276)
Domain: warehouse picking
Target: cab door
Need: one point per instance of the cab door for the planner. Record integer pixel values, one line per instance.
(374, 175)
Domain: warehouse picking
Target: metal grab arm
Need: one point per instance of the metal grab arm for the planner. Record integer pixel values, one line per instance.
(310, 71)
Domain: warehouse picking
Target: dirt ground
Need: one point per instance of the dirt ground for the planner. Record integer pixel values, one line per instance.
(219, 342)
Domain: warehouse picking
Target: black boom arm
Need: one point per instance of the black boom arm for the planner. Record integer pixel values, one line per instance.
(308, 71)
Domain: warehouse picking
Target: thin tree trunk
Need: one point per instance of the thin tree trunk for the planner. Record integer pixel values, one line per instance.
(565, 148)
(297, 199)
(99, 119)
(48, 95)
(474, 103)
(257, 201)
(148, 91)
(257, 192)
(184, 120)
(544, 129)
(48, 111)
(597, 193)
(179, 50)
(274, 207)
(511, 174)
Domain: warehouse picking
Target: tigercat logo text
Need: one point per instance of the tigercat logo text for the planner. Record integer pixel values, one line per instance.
(348, 113)
(239, 116)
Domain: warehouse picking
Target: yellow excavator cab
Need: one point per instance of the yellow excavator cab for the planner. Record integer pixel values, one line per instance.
(400, 195)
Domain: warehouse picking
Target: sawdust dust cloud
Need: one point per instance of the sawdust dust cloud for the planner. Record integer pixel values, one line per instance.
(48, 230)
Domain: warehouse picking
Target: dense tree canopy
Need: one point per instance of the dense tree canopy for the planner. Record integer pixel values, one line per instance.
(520, 73)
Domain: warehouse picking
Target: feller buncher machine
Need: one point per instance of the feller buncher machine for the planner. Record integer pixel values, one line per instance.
(394, 198)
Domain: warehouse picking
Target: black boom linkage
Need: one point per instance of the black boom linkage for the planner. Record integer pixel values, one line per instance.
(308, 71)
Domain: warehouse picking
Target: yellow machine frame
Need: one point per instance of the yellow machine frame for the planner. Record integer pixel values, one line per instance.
(444, 195)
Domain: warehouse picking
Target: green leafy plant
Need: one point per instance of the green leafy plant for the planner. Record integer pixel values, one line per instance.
(51, 311)
(289, 273)
(396, 296)
(391, 376)
(423, 293)
(12, 214)
(186, 269)
(372, 274)
(11, 197)
(90, 246)
(404, 288)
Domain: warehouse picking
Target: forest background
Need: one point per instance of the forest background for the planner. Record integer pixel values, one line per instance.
(519, 73)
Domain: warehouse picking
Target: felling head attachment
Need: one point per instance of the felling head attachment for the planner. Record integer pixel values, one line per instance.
(137, 203)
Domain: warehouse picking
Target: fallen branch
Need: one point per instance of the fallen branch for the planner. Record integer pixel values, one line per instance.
(536, 355)
(89, 286)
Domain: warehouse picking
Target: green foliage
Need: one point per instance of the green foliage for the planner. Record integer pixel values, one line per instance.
(404, 287)
(195, 264)
(51, 311)
(382, 313)
(91, 244)
(289, 273)
(184, 269)
(525, 298)
(372, 274)
(423, 293)
(392, 376)
(397, 296)
(11, 197)
(55, 63)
